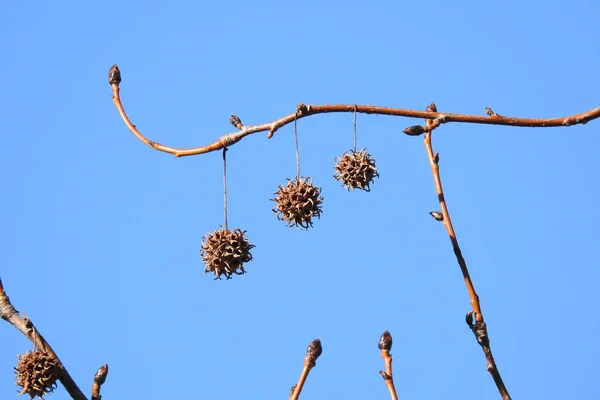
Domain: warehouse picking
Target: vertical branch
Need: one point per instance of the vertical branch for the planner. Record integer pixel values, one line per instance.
(478, 326)
(385, 345)
(313, 352)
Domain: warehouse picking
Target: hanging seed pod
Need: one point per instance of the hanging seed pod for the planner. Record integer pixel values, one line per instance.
(356, 170)
(224, 252)
(37, 373)
(298, 202)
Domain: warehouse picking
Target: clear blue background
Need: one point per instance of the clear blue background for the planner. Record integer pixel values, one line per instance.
(100, 234)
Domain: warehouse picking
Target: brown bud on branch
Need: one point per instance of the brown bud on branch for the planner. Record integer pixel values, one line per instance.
(314, 350)
(100, 376)
(490, 112)
(235, 121)
(414, 130)
(432, 108)
(438, 216)
(385, 341)
(114, 75)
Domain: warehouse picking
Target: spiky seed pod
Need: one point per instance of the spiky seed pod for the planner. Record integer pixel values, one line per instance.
(356, 170)
(298, 202)
(37, 373)
(224, 252)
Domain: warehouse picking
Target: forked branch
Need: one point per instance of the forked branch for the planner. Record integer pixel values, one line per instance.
(302, 111)
(477, 325)
(433, 120)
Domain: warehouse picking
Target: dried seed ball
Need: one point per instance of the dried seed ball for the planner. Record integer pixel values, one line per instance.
(298, 202)
(224, 252)
(356, 170)
(37, 373)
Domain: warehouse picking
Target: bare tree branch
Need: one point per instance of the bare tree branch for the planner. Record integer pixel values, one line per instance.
(25, 325)
(313, 352)
(433, 119)
(99, 379)
(385, 345)
(114, 79)
(478, 327)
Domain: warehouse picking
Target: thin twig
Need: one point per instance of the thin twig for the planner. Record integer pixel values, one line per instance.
(99, 379)
(354, 128)
(478, 327)
(114, 79)
(225, 187)
(313, 352)
(297, 149)
(27, 328)
(385, 345)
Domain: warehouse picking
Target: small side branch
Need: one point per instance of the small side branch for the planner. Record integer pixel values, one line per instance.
(25, 325)
(302, 111)
(385, 345)
(99, 379)
(474, 317)
(313, 352)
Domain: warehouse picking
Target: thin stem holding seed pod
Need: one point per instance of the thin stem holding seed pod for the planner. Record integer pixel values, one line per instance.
(225, 187)
(297, 150)
(478, 327)
(114, 79)
(354, 147)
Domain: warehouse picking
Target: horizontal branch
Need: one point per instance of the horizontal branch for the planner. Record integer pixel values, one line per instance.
(114, 79)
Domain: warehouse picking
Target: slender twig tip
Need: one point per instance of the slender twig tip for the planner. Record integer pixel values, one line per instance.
(100, 376)
(385, 341)
(414, 130)
(438, 216)
(235, 121)
(114, 75)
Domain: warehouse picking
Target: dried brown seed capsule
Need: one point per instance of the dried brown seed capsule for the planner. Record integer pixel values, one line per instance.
(298, 202)
(37, 373)
(224, 252)
(356, 170)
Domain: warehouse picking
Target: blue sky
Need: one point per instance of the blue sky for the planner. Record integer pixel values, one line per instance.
(100, 234)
